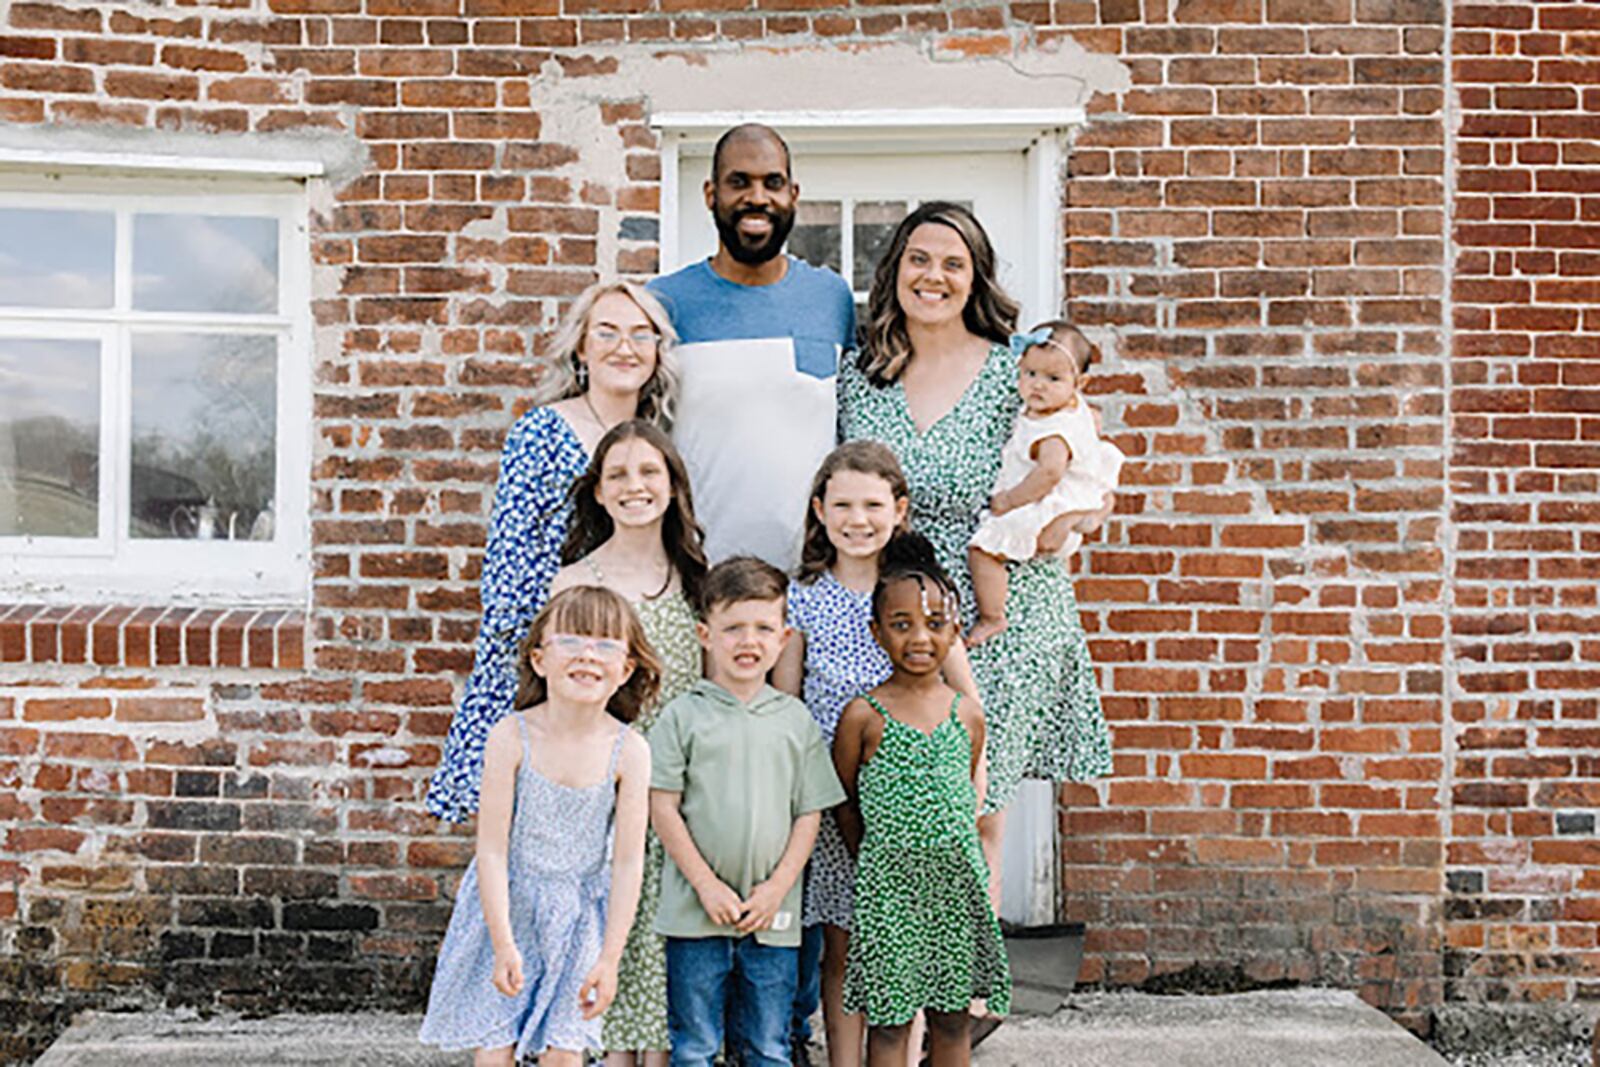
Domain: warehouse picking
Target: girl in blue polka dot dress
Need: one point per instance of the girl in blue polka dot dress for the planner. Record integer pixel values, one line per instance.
(859, 501)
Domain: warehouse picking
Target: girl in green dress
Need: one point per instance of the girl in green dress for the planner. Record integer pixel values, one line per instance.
(936, 383)
(924, 936)
(633, 531)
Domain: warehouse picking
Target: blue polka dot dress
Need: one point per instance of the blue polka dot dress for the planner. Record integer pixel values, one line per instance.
(843, 660)
(541, 459)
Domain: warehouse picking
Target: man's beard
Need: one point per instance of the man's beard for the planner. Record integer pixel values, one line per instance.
(753, 255)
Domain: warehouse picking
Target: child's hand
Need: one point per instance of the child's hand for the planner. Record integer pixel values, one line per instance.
(1000, 503)
(760, 909)
(720, 902)
(598, 990)
(508, 971)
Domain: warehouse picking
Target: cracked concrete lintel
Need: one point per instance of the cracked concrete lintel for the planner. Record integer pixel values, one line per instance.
(342, 155)
(896, 76)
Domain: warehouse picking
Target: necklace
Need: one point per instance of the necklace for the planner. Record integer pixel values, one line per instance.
(593, 414)
(600, 577)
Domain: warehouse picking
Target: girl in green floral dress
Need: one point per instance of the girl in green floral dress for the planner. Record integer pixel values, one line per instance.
(924, 937)
(935, 382)
(633, 531)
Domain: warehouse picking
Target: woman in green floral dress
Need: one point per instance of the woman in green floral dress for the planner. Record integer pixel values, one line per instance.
(936, 382)
(633, 531)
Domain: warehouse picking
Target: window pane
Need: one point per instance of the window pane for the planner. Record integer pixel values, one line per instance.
(815, 237)
(205, 263)
(56, 259)
(874, 224)
(49, 437)
(204, 436)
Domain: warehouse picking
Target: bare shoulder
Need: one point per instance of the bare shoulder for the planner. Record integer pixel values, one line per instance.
(505, 739)
(856, 715)
(635, 757)
(567, 577)
(969, 711)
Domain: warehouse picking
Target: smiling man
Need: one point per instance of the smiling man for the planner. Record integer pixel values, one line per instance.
(760, 334)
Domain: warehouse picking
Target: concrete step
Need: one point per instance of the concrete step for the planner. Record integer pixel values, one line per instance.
(1294, 1028)
(1289, 1028)
(182, 1039)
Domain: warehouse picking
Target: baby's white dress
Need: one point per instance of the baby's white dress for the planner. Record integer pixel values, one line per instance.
(1093, 471)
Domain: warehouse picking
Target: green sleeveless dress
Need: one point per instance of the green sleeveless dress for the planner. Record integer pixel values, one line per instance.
(924, 935)
(637, 1018)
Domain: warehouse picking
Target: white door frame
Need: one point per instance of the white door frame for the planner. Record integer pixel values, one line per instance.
(1031, 871)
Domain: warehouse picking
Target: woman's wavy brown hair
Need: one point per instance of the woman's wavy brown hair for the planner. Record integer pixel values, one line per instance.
(817, 553)
(990, 313)
(681, 535)
(592, 611)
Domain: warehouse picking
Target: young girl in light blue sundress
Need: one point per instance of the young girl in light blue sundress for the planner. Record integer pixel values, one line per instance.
(529, 963)
(633, 531)
(859, 502)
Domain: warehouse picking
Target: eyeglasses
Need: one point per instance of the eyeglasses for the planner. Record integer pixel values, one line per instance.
(639, 340)
(608, 648)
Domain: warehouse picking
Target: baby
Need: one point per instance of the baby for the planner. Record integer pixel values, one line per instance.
(1054, 466)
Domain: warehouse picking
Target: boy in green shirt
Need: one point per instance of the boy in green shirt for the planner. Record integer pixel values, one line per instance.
(739, 778)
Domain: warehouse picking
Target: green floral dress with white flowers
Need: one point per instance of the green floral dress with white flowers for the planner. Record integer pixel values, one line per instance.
(1040, 697)
(637, 1018)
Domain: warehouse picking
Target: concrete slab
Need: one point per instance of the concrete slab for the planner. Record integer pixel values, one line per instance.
(1296, 1028)
(183, 1039)
(1290, 1028)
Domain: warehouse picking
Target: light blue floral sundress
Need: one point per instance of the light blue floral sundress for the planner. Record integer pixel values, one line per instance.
(558, 878)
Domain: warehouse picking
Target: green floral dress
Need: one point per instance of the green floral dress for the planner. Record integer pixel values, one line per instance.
(923, 934)
(637, 1018)
(1037, 683)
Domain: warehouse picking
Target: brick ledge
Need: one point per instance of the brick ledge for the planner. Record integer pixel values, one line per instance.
(266, 637)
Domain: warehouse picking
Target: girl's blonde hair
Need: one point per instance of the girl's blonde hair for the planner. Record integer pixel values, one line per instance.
(559, 378)
(592, 611)
(817, 553)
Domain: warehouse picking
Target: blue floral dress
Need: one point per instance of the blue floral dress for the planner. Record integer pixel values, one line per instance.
(541, 459)
(843, 660)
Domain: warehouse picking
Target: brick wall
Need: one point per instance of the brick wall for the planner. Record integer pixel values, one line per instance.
(1340, 617)
(1523, 873)
(1260, 218)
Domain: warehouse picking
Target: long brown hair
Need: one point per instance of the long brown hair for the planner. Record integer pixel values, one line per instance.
(681, 535)
(989, 313)
(817, 553)
(592, 611)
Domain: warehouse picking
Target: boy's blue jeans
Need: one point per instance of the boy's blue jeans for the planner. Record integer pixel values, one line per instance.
(808, 992)
(700, 974)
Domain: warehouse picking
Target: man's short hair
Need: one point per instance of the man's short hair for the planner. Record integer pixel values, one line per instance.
(749, 130)
(741, 578)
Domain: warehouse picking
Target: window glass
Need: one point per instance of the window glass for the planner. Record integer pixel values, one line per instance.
(56, 259)
(873, 226)
(205, 263)
(204, 436)
(816, 237)
(49, 437)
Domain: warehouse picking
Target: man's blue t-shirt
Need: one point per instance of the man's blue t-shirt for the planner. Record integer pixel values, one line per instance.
(756, 413)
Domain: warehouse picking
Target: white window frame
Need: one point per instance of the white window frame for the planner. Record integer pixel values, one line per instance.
(1030, 856)
(114, 566)
(1038, 133)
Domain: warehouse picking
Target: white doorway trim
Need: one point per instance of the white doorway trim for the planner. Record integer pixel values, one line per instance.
(1030, 861)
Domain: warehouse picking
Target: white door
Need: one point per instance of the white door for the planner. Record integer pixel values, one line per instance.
(849, 207)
